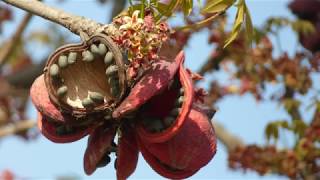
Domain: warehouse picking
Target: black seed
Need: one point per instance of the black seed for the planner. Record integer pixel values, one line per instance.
(62, 91)
(108, 59)
(115, 164)
(54, 70)
(61, 130)
(63, 61)
(168, 121)
(96, 97)
(72, 57)
(155, 125)
(175, 111)
(87, 102)
(115, 91)
(104, 161)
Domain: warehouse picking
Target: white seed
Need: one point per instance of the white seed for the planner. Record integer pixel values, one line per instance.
(94, 49)
(62, 91)
(108, 59)
(63, 61)
(102, 49)
(87, 56)
(72, 57)
(54, 70)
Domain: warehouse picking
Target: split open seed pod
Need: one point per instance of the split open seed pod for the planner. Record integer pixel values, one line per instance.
(86, 78)
(164, 96)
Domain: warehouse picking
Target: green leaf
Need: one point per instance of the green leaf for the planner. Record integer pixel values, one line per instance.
(237, 24)
(272, 131)
(187, 6)
(299, 127)
(167, 9)
(249, 25)
(214, 6)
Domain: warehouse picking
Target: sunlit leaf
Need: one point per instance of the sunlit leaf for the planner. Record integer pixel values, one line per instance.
(213, 6)
(187, 6)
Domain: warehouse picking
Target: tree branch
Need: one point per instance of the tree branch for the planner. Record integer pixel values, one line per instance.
(13, 41)
(15, 128)
(229, 140)
(74, 23)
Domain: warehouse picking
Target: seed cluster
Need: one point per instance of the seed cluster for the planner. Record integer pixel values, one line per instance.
(67, 61)
(155, 125)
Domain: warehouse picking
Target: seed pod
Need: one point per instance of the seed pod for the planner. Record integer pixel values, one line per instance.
(108, 59)
(72, 57)
(102, 49)
(62, 91)
(63, 61)
(96, 97)
(111, 70)
(83, 77)
(54, 70)
(87, 56)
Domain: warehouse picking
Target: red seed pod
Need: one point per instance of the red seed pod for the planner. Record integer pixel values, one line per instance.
(162, 87)
(185, 153)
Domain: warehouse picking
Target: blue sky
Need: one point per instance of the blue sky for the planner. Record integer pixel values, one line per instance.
(42, 159)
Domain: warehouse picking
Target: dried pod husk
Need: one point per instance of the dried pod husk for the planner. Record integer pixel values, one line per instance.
(186, 152)
(82, 78)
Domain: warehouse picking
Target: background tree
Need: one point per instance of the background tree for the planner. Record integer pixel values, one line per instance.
(252, 68)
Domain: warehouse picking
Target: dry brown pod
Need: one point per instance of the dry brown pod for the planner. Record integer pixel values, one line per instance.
(78, 80)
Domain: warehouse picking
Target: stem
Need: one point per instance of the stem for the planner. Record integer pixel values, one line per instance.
(16, 127)
(74, 23)
(229, 140)
(13, 41)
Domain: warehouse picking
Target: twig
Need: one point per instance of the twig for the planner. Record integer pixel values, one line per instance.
(229, 140)
(16, 127)
(74, 23)
(13, 41)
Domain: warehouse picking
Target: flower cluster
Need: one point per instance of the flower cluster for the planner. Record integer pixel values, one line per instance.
(141, 38)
